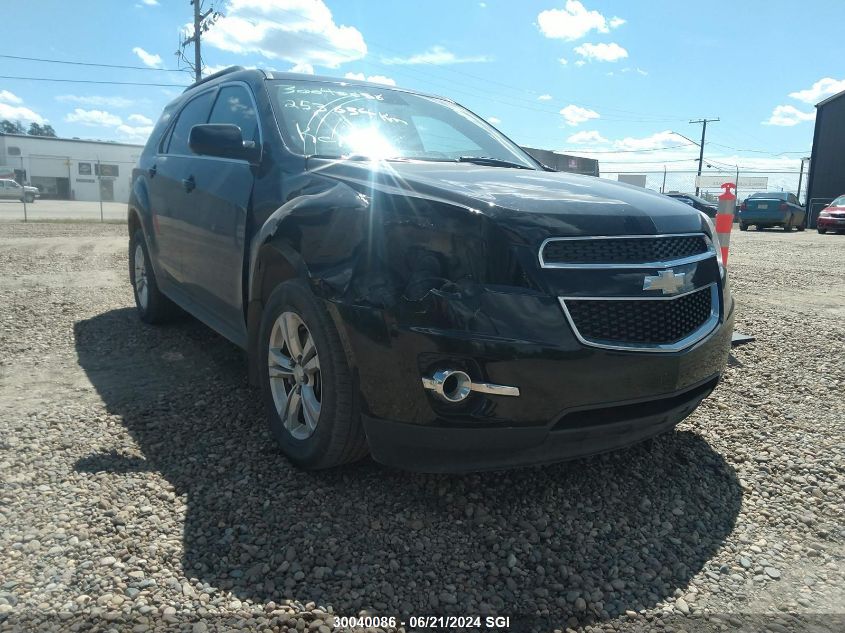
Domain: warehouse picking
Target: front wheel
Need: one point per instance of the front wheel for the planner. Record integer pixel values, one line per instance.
(306, 382)
(29, 198)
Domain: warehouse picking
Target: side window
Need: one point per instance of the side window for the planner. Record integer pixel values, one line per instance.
(234, 106)
(194, 113)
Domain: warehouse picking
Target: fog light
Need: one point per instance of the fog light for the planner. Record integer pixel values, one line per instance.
(453, 385)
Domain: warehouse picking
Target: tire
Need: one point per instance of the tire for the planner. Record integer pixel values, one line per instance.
(327, 433)
(29, 199)
(788, 226)
(743, 226)
(152, 305)
(822, 231)
(802, 226)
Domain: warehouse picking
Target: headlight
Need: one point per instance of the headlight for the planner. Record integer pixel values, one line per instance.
(714, 237)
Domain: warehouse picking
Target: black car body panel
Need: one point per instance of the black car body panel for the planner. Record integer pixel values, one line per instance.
(425, 265)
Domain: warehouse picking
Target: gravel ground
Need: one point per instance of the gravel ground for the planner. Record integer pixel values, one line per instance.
(141, 490)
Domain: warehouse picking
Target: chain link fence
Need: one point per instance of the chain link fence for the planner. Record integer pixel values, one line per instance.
(684, 181)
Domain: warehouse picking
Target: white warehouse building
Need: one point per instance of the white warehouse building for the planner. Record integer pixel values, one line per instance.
(69, 169)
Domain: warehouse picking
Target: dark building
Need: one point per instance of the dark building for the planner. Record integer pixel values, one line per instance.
(565, 162)
(826, 179)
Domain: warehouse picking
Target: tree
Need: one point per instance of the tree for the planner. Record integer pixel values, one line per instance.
(11, 127)
(41, 130)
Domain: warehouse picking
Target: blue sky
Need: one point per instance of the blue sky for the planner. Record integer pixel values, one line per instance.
(609, 79)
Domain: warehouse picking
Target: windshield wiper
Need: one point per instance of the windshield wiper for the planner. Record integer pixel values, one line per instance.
(492, 162)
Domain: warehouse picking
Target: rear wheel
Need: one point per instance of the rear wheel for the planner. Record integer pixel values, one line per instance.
(152, 305)
(743, 226)
(822, 231)
(788, 226)
(306, 382)
(803, 225)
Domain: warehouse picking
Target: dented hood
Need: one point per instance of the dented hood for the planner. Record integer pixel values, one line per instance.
(532, 204)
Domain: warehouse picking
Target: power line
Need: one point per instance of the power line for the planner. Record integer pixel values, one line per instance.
(62, 61)
(627, 151)
(92, 81)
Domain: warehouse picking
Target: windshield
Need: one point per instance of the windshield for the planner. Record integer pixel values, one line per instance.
(340, 120)
(839, 202)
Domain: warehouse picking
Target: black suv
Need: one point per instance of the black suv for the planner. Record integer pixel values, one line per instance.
(408, 282)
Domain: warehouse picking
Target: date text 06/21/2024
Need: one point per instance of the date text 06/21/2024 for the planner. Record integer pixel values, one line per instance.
(424, 622)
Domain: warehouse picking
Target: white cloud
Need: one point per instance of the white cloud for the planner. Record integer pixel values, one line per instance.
(563, 61)
(574, 114)
(787, 116)
(580, 63)
(493, 120)
(819, 90)
(376, 79)
(654, 141)
(302, 67)
(150, 3)
(139, 119)
(210, 70)
(574, 21)
(298, 31)
(20, 113)
(544, 98)
(93, 118)
(95, 100)
(587, 137)
(153, 61)
(436, 55)
(602, 52)
(9, 97)
(134, 134)
(483, 5)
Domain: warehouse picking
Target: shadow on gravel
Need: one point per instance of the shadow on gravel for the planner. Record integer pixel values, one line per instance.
(620, 531)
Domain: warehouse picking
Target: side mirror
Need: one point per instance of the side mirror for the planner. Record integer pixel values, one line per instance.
(221, 139)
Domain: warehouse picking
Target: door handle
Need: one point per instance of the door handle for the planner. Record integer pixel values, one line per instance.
(152, 171)
(189, 183)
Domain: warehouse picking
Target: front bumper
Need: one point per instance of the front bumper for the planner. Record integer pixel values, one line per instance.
(577, 433)
(574, 400)
(830, 224)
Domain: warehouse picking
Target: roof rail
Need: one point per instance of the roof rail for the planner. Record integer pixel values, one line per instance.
(219, 73)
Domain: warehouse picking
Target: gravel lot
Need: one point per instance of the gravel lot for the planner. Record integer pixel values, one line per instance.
(142, 492)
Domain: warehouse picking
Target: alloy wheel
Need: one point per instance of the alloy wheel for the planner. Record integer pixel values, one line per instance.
(141, 281)
(295, 377)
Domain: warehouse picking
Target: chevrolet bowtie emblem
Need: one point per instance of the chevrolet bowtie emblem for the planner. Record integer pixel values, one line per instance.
(666, 280)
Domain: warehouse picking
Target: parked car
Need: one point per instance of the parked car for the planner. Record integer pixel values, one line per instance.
(407, 281)
(773, 208)
(705, 206)
(832, 217)
(11, 190)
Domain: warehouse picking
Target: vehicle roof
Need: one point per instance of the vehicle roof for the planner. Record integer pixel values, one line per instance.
(769, 194)
(239, 73)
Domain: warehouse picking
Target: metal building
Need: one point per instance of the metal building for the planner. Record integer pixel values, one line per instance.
(826, 179)
(565, 162)
(69, 169)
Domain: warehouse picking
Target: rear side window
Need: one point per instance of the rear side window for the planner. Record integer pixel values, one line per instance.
(194, 113)
(234, 106)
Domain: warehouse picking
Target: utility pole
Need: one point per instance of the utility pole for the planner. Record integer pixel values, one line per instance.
(801, 177)
(203, 20)
(704, 123)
